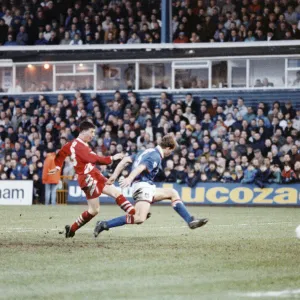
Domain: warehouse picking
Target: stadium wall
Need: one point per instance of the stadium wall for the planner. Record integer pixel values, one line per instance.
(16, 192)
(19, 192)
(251, 97)
(214, 194)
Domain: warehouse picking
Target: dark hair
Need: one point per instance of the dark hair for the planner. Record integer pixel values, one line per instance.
(168, 142)
(86, 125)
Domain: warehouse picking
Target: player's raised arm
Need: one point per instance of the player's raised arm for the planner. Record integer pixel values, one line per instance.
(92, 157)
(120, 167)
(137, 171)
(102, 160)
(60, 158)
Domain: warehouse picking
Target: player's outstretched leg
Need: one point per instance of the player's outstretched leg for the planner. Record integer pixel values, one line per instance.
(142, 213)
(179, 207)
(193, 223)
(124, 204)
(85, 217)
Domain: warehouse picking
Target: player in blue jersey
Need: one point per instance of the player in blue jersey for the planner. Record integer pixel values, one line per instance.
(145, 167)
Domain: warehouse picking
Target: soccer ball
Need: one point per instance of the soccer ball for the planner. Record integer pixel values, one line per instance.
(298, 232)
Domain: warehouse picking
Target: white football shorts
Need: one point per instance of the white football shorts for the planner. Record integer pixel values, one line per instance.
(143, 191)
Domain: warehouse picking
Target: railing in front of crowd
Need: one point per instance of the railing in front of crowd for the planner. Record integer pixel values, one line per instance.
(62, 191)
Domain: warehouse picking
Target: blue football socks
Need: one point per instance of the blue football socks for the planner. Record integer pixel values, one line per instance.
(120, 221)
(180, 208)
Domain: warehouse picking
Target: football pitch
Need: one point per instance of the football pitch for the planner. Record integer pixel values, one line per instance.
(242, 253)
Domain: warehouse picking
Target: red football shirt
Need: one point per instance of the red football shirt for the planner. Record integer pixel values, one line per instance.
(82, 157)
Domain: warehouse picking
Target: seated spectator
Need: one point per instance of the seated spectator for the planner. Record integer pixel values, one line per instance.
(74, 30)
(182, 38)
(10, 41)
(123, 37)
(76, 40)
(66, 40)
(258, 83)
(110, 39)
(262, 176)
(227, 178)
(54, 40)
(288, 175)
(195, 38)
(221, 38)
(134, 39)
(191, 178)
(290, 15)
(266, 83)
(234, 37)
(41, 40)
(270, 36)
(47, 32)
(260, 37)
(169, 175)
(275, 176)
(295, 31)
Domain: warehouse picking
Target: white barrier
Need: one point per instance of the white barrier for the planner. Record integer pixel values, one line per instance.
(16, 192)
(159, 46)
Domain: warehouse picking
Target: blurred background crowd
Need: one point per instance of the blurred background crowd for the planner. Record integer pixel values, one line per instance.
(219, 140)
(67, 22)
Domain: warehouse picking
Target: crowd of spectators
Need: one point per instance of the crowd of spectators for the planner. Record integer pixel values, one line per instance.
(218, 141)
(66, 22)
(235, 21)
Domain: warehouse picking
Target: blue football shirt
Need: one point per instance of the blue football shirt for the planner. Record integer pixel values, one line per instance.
(152, 159)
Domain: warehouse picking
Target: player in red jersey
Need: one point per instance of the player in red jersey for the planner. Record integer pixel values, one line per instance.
(91, 181)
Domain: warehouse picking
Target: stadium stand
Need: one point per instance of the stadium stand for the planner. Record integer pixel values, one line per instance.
(76, 22)
(228, 141)
(133, 22)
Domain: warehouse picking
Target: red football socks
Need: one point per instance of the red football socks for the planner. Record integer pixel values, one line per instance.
(129, 219)
(125, 205)
(84, 218)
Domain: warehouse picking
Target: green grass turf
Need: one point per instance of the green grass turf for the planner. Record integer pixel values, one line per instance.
(240, 250)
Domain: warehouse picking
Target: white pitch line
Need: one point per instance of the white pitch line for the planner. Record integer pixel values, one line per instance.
(22, 229)
(282, 294)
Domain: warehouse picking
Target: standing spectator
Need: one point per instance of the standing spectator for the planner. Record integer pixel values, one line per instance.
(38, 196)
(50, 181)
(32, 31)
(3, 31)
(7, 17)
